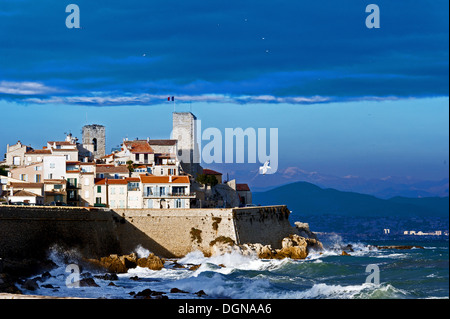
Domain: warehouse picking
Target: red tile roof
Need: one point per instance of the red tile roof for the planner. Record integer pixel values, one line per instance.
(242, 187)
(210, 172)
(138, 146)
(60, 143)
(38, 152)
(111, 169)
(112, 181)
(151, 179)
(162, 142)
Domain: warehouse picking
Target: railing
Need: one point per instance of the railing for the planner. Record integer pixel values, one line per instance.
(170, 195)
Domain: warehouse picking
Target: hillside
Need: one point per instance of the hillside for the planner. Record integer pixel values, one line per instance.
(308, 199)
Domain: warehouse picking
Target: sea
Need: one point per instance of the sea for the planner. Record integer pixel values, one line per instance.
(364, 273)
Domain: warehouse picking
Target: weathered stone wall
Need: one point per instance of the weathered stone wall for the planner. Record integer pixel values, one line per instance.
(173, 232)
(29, 231)
(267, 225)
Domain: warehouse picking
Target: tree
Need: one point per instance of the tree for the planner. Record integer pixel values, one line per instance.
(130, 167)
(3, 170)
(207, 179)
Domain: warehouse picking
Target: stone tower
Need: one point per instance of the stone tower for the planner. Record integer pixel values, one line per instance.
(94, 140)
(184, 130)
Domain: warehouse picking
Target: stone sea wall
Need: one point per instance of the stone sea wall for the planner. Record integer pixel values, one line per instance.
(27, 232)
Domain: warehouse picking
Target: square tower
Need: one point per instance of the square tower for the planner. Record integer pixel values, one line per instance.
(94, 140)
(184, 130)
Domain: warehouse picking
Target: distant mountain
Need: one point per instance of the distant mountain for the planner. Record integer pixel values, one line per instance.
(386, 187)
(308, 199)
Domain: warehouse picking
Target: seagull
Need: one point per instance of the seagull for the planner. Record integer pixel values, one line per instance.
(263, 169)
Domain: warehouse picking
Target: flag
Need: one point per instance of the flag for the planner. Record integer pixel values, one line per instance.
(171, 98)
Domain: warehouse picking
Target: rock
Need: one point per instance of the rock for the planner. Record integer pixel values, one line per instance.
(177, 265)
(86, 282)
(49, 286)
(30, 284)
(134, 278)
(151, 262)
(112, 284)
(200, 293)
(150, 294)
(45, 276)
(110, 277)
(399, 247)
(293, 247)
(304, 231)
(7, 284)
(120, 264)
(177, 291)
(195, 267)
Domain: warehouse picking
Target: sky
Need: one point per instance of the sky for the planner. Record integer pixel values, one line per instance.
(346, 99)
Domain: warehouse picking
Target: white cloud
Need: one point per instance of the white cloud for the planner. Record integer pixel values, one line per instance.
(25, 88)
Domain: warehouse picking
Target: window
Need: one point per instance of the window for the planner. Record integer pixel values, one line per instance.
(50, 176)
(149, 191)
(52, 165)
(57, 187)
(178, 203)
(122, 190)
(162, 191)
(133, 186)
(145, 158)
(86, 182)
(24, 177)
(113, 203)
(99, 189)
(121, 203)
(116, 176)
(98, 200)
(37, 178)
(101, 175)
(162, 171)
(179, 190)
(94, 141)
(113, 190)
(29, 158)
(16, 160)
(71, 194)
(86, 194)
(171, 171)
(38, 159)
(38, 168)
(72, 182)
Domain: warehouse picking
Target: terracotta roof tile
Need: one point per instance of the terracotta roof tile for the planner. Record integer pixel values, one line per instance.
(151, 179)
(210, 172)
(30, 152)
(162, 142)
(242, 187)
(138, 146)
(112, 169)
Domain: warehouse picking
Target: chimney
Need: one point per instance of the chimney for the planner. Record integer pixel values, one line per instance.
(170, 178)
(148, 139)
(11, 191)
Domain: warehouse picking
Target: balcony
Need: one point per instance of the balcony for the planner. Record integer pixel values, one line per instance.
(170, 195)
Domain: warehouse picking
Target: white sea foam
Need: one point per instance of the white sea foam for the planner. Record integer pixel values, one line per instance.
(142, 252)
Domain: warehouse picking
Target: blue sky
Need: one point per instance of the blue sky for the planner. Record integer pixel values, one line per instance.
(346, 99)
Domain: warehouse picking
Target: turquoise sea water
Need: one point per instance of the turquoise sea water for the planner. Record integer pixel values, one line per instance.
(404, 274)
